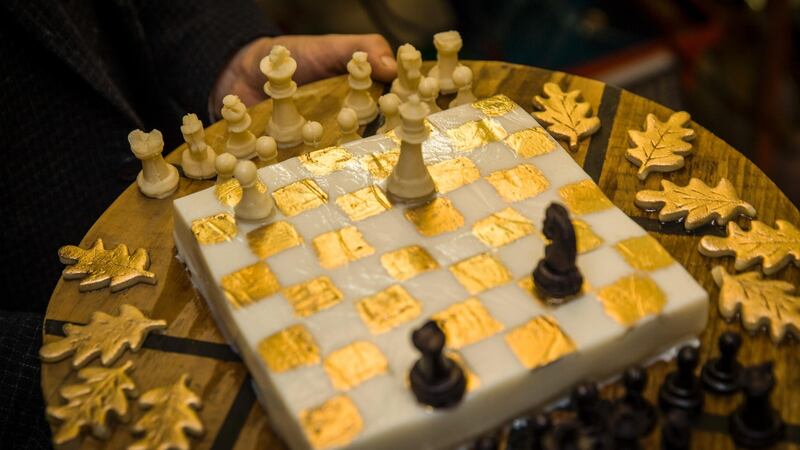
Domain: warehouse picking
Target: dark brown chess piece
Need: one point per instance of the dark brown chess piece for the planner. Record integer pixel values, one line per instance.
(436, 380)
(681, 389)
(756, 424)
(722, 375)
(556, 276)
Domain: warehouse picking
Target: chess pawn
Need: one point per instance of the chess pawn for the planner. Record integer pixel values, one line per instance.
(681, 388)
(722, 375)
(255, 203)
(390, 104)
(198, 159)
(225, 163)
(286, 123)
(428, 92)
(359, 98)
(312, 133)
(348, 126)
(241, 141)
(436, 380)
(462, 77)
(409, 62)
(410, 181)
(267, 149)
(448, 44)
(157, 179)
(755, 423)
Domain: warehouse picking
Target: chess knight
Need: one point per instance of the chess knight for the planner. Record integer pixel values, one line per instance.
(556, 276)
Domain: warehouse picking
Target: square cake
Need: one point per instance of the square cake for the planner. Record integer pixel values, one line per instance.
(321, 301)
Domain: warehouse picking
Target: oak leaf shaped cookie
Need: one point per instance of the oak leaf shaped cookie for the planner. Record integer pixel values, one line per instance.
(696, 202)
(89, 402)
(774, 248)
(100, 267)
(565, 116)
(760, 301)
(105, 335)
(662, 145)
(170, 415)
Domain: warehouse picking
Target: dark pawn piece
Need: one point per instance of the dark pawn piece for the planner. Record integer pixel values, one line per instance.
(591, 411)
(556, 276)
(722, 375)
(436, 380)
(755, 424)
(540, 427)
(625, 428)
(676, 431)
(635, 380)
(681, 389)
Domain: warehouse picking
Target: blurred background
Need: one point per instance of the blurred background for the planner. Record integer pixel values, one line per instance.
(732, 64)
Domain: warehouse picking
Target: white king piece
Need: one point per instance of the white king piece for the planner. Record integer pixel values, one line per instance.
(410, 181)
(448, 44)
(286, 124)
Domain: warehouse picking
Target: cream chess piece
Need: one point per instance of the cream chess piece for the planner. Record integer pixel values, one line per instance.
(409, 62)
(241, 141)
(157, 179)
(448, 44)
(255, 203)
(286, 123)
(348, 126)
(267, 149)
(462, 77)
(429, 92)
(225, 163)
(359, 98)
(198, 158)
(410, 181)
(389, 104)
(312, 133)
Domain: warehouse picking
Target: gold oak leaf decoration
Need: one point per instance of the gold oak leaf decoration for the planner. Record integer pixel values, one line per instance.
(760, 301)
(103, 390)
(774, 248)
(170, 415)
(100, 267)
(696, 202)
(105, 335)
(662, 145)
(565, 116)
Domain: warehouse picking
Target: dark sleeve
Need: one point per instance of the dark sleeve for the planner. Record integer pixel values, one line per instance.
(192, 40)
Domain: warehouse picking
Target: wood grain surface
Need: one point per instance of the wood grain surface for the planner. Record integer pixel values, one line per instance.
(193, 344)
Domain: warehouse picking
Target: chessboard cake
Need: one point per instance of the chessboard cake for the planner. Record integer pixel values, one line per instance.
(321, 299)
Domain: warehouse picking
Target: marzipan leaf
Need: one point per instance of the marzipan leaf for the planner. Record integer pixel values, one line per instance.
(662, 145)
(773, 248)
(100, 267)
(170, 415)
(565, 116)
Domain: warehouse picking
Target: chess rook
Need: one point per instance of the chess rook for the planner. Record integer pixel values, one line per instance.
(722, 375)
(462, 77)
(312, 133)
(556, 276)
(241, 141)
(267, 149)
(286, 123)
(436, 380)
(255, 204)
(390, 108)
(448, 44)
(197, 160)
(348, 126)
(681, 388)
(756, 424)
(157, 179)
(409, 62)
(359, 98)
(410, 180)
(429, 92)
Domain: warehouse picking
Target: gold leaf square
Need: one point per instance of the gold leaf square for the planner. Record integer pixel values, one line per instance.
(380, 165)
(339, 247)
(435, 217)
(518, 183)
(643, 253)
(502, 227)
(408, 262)
(299, 196)
(289, 349)
(480, 272)
(363, 203)
(473, 381)
(631, 298)
(586, 239)
(334, 423)
(388, 308)
(273, 238)
(539, 342)
(312, 296)
(354, 364)
(452, 174)
(466, 323)
(530, 142)
(499, 105)
(246, 286)
(229, 192)
(325, 161)
(214, 229)
(476, 133)
(584, 197)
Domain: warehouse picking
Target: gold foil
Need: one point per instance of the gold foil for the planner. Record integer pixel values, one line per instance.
(480, 272)
(631, 298)
(473, 381)
(518, 183)
(334, 423)
(312, 296)
(229, 192)
(531, 142)
(388, 308)
(539, 342)
(476, 133)
(643, 253)
(363, 203)
(380, 165)
(299, 196)
(273, 238)
(586, 239)
(246, 286)
(502, 227)
(170, 416)
(325, 161)
(214, 229)
(354, 364)
(584, 197)
(466, 323)
(408, 262)
(499, 105)
(339, 247)
(288, 349)
(435, 217)
(452, 174)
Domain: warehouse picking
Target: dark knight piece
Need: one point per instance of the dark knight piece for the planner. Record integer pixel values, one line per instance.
(436, 380)
(556, 276)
